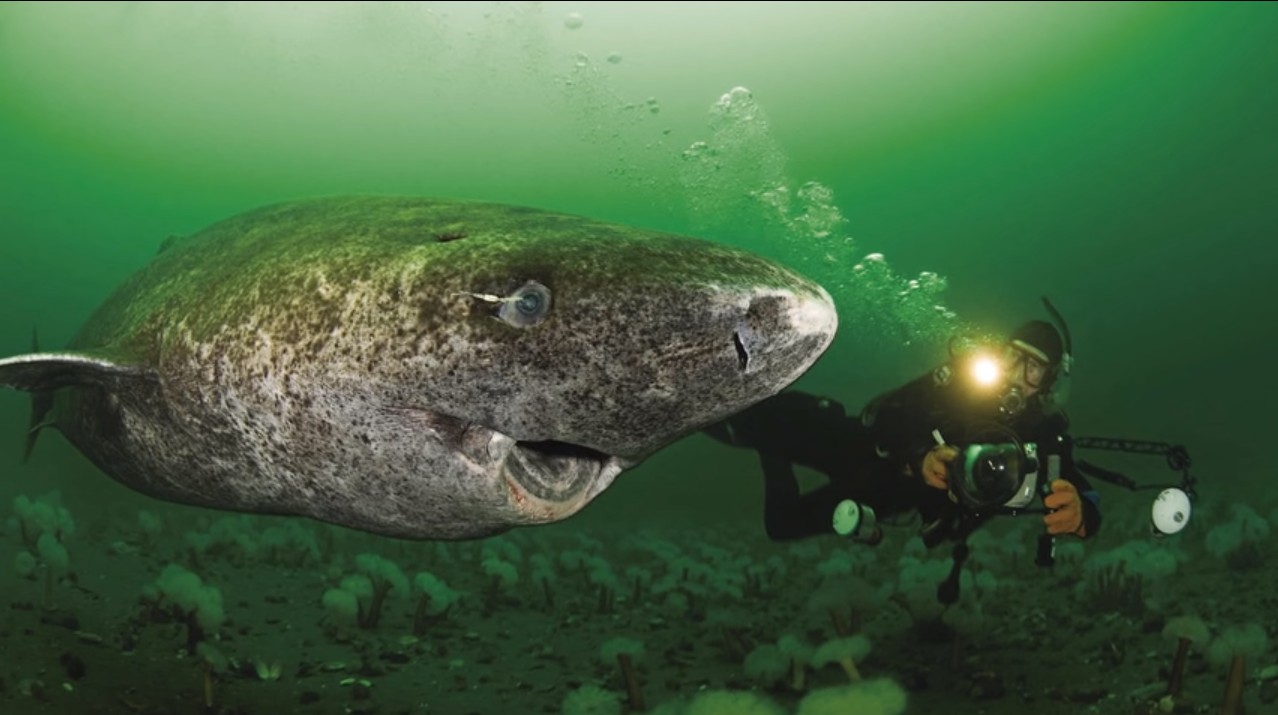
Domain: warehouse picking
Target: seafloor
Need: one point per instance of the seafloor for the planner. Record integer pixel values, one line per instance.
(537, 610)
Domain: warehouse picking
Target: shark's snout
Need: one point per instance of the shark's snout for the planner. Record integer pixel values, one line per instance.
(784, 326)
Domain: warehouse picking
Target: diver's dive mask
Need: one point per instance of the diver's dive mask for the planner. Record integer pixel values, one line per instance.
(1026, 362)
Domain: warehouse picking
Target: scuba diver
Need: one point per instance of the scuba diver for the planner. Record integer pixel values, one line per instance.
(981, 435)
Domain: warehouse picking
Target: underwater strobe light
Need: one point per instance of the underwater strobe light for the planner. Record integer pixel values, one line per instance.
(1170, 513)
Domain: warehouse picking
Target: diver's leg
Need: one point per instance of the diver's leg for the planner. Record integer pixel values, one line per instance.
(807, 429)
(788, 514)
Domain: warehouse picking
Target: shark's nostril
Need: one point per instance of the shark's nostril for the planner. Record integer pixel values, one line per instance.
(769, 312)
(743, 355)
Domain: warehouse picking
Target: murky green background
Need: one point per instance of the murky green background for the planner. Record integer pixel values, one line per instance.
(1118, 157)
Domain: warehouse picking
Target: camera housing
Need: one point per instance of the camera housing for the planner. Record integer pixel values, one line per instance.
(996, 475)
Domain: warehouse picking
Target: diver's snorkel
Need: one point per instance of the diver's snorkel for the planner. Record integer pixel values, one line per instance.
(1057, 392)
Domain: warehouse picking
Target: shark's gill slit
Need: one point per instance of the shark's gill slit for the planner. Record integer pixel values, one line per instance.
(743, 355)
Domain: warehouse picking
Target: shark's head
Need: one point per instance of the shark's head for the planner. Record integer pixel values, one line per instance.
(420, 368)
(578, 349)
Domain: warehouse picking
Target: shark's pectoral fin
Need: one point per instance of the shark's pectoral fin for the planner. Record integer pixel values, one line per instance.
(522, 482)
(457, 435)
(43, 373)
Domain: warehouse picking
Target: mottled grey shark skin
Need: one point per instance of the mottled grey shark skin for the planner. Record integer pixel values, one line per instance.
(357, 360)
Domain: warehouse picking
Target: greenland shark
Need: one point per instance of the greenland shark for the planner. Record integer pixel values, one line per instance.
(415, 367)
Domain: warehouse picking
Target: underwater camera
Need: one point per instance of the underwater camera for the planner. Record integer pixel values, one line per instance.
(1001, 475)
(998, 474)
(995, 471)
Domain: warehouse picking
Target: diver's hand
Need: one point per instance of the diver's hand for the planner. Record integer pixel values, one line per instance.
(1067, 506)
(936, 471)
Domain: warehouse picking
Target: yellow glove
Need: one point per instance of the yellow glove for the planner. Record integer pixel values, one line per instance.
(936, 471)
(1067, 506)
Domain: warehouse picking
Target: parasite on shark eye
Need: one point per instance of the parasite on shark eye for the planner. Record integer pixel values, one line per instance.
(527, 306)
(486, 297)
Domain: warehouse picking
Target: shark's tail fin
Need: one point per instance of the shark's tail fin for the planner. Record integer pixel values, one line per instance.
(41, 405)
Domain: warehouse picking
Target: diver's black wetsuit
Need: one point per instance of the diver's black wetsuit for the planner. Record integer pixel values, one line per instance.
(875, 458)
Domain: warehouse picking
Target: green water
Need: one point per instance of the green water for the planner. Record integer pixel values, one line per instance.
(1121, 158)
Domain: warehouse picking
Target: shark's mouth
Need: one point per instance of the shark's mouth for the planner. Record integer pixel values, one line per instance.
(560, 472)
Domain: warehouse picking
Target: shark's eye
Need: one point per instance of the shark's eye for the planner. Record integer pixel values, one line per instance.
(527, 306)
(529, 303)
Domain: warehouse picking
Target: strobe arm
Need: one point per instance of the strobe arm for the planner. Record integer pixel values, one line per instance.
(1177, 459)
